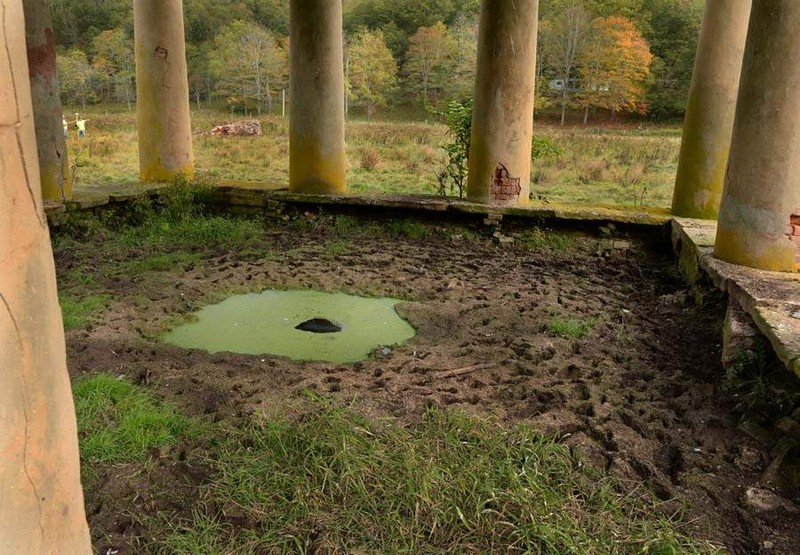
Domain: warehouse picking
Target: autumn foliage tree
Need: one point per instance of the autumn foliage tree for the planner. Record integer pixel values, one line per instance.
(430, 51)
(371, 70)
(565, 37)
(463, 66)
(615, 66)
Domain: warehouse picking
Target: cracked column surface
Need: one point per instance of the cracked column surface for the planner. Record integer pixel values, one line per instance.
(502, 121)
(51, 143)
(762, 183)
(709, 113)
(41, 502)
(316, 61)
(162, 91)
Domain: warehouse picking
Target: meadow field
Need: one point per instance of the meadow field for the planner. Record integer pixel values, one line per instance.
(607, 166)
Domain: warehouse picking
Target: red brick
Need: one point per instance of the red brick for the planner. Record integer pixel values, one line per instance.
(794, 219)
(796, 229)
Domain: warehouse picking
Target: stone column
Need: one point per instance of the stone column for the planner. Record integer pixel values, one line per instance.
(162, 91)
(316, 119)
(761, 199)
(709, 114)
(52, 145)
(502, 122)
(41, 501)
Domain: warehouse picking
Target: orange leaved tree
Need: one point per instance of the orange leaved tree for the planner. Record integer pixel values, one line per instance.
(614, 67)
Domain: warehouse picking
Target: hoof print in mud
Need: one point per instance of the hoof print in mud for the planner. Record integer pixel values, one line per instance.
(319, 325)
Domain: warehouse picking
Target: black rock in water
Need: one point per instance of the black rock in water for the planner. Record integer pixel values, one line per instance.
(318, 325)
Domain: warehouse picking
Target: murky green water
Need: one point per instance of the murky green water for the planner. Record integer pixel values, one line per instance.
(264, 323)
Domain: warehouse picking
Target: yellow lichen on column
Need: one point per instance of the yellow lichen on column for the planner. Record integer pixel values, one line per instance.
(761, 186)
(502, 121)
(162, 91)
(710, 111)
(317, 162)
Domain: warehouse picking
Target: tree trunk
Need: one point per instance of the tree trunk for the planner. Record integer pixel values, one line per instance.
(586, 116)
(41, 504)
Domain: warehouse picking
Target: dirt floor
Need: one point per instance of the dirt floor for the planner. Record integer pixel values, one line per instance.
(636, 396)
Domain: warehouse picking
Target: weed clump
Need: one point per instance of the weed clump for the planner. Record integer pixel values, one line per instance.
(571, 328)
(370, 159)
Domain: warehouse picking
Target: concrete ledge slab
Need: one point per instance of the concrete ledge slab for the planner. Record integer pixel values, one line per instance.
(772, 299)
(259, 195)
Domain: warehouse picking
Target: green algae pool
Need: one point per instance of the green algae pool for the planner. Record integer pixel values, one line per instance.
(264, 323)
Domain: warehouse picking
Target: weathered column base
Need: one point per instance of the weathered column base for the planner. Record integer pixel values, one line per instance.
(502, 120)
(162, 91)
(317, 163)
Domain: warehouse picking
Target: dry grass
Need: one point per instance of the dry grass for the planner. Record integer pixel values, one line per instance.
(591, 166)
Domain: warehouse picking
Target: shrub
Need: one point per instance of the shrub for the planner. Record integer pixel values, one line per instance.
(370, 158)
(543, 147)
(458, 117)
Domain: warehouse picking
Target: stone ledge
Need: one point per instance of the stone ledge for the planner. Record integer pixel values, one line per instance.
(260, 195)
(601, 214)
(771, 299)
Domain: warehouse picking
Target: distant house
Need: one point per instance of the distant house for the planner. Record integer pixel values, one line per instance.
(571, 85)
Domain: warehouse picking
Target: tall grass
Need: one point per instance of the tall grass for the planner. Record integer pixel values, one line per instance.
(333, 482)
(591, 166)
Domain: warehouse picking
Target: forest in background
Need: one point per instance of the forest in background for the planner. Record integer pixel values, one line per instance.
(595, 57)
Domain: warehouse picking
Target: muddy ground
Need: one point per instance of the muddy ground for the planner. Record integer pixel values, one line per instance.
(637, 396)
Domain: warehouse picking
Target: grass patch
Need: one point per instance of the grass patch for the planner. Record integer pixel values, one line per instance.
(79, 277)
(119, 422)
(336, 247)
(539, 239)
(200, 232)
(80, 312)
(408, 228)
(571, 328)
(346, 225)
(162, 262)
(583, 165)
(333, 482)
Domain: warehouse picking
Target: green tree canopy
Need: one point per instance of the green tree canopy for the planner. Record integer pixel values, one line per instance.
(76, 77)
(371, 70)
(250, 65)
(114, 62)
